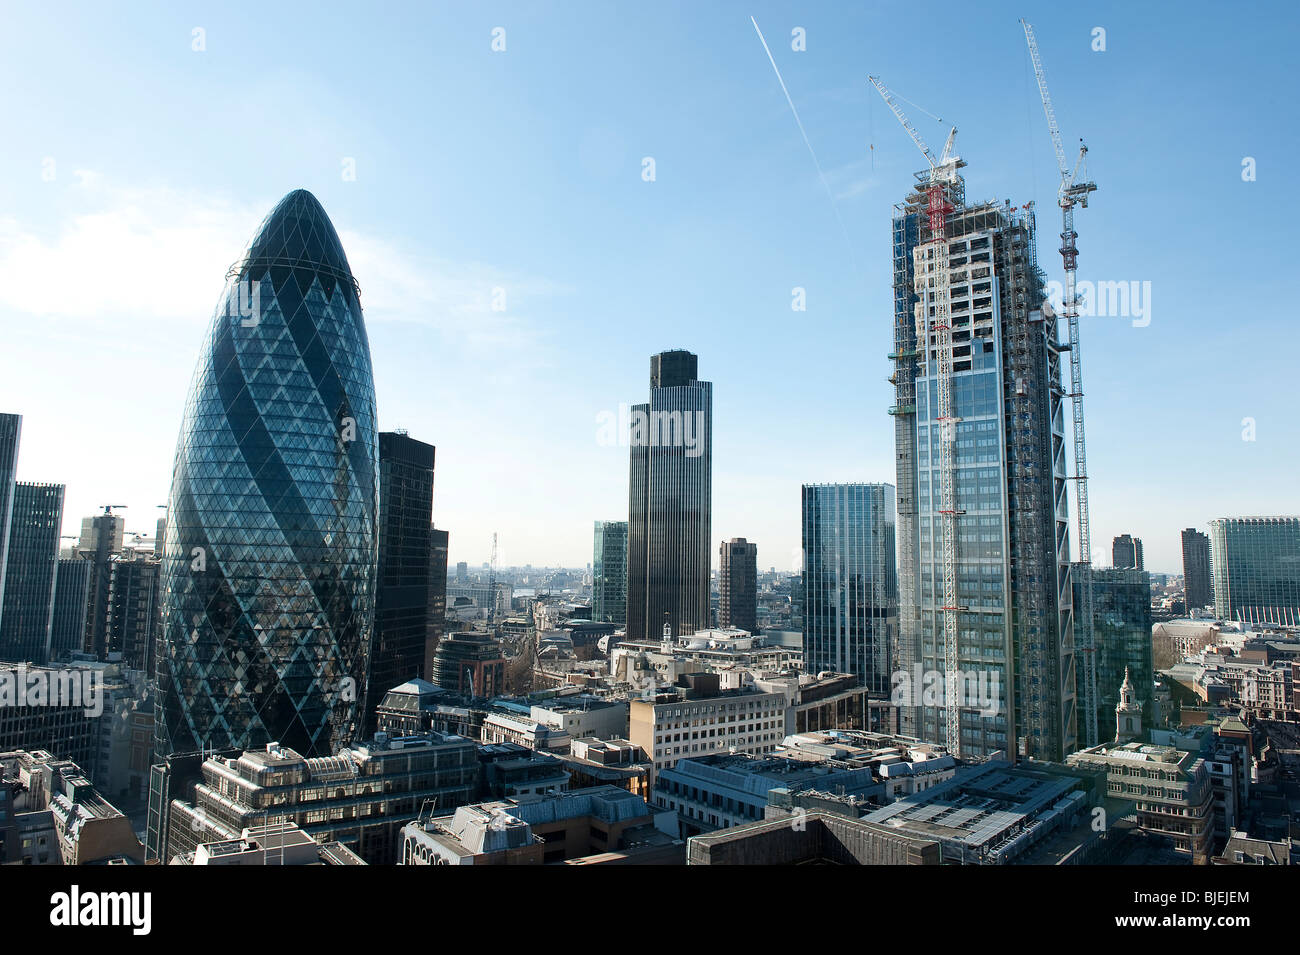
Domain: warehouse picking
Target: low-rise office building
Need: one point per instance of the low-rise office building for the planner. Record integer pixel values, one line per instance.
(603, 821)
(360, 797)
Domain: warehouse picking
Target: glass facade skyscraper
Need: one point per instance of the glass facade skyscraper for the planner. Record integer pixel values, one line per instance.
(404, 617)
(1014, 610)
(670, 501)
(1121, 626)
(11, 428)
(850, 584)
(609, 573)
(1255, 563)
(30, 572)
(270, 557)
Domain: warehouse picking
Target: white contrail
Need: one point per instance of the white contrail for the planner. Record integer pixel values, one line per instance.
(807, 142)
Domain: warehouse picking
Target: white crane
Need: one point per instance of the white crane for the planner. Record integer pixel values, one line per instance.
(931, 284)
(1073, 190)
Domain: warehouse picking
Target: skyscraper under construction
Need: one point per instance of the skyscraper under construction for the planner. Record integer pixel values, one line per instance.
(1013, 604)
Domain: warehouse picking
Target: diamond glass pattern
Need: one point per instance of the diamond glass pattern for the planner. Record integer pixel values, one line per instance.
(271, 546)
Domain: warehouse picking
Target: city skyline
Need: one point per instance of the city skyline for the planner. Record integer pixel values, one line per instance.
(736, 192)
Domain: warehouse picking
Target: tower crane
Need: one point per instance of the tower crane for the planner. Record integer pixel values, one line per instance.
(1073, 190)
(931, 283)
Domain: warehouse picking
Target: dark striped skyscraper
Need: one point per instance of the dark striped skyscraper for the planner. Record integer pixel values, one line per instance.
(850, 602)
(738, 584)
(29, 575)
(11, 428)
(1196, 569)
(670, 503)
(270, 557)
(406, 626)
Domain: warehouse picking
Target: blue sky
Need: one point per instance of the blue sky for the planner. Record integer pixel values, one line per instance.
(136, 169)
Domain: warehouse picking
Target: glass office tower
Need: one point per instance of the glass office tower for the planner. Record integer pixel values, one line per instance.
(670, 501)
(738, 584)
(30, 574)
(1121, 626)
(609, 573)
(850, 585)
(11, 428)
(1255, 563)
(404, 619)
(1014, 605)
(1196, 569)
(270, 559)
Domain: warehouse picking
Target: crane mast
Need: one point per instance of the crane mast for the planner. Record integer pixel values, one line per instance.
(932, 285)
(1074, 189)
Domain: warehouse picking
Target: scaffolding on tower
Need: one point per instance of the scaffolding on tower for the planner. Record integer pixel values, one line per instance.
(932, 287)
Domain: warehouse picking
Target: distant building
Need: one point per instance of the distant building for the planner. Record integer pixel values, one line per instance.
(101, 538)
(470, 663)
(850, 584)
(437, 598)
(405, 621)
(738, 585)
(71, 603)
(30, 568)
(609, 573)
(1126, 553)
(134, 609)
(11, 427)
(462, 572)
(1255, 564)
(1196, 570)
(670, 500)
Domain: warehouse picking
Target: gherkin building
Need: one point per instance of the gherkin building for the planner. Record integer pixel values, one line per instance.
(270, 553)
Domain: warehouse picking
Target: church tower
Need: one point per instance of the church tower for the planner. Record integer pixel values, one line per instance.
(1128, 713)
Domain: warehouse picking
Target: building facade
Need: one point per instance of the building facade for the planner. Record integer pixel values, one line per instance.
(11, 429)
(609, 573)
(360, 797)
(1121, 625)
(270, 558)
(1014, 621)
(405, 620)
(33, 558)
(738, 585)
(1126, 553)
(1196, 569)
(134, 609)
(670, 500)
(1255, 565)
(71, 603)
(850, 582)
